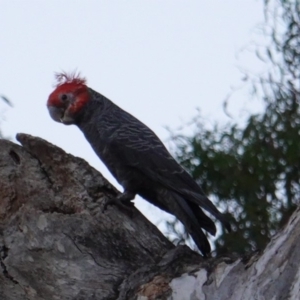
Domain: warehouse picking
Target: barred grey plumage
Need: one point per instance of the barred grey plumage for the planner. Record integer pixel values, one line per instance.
(139, 161)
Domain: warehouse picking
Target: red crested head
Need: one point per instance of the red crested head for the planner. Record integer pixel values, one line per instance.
(68, 99)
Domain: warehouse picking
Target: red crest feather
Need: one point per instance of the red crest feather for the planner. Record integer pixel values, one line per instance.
(62, 78)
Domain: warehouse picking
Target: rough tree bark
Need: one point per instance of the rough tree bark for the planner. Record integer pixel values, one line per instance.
(57, 243)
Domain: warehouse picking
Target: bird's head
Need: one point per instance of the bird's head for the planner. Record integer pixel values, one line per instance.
(68, 99)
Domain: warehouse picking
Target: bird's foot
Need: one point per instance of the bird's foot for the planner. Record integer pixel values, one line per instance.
(122, 200)
(115, 201)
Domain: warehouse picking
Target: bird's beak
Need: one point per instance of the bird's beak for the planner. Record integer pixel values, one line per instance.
(67, 119)
(56, 113)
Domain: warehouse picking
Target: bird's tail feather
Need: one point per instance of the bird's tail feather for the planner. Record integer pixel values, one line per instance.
(204, 221)
(206, 204)
(193, 225)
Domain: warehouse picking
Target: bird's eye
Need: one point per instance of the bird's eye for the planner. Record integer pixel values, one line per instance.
(64, 97)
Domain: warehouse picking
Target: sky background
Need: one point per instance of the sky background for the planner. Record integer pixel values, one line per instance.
(158, 60)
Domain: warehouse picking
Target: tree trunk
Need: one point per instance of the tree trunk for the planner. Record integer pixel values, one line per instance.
(56, 242)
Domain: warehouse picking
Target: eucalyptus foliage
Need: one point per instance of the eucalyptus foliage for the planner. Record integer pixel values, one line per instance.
(253, 172)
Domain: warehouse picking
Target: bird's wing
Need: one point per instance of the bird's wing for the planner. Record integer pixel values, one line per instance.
(140, 148)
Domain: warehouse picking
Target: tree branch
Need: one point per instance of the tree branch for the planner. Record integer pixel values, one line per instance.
(56, 243)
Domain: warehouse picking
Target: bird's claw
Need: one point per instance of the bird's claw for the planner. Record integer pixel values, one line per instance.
(127, 205)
